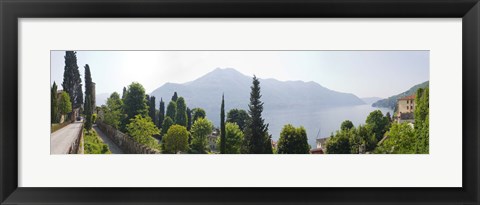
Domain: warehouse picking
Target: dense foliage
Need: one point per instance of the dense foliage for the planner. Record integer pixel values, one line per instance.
(422, 121)
(200, 131)
(223, 145)
(134, 103)
(89, 105)
(181, 112)
(64, 104)
(198, 113)
(93, 144)
(233, 139)
(53, 104)
(113, 111)
(238, 116)
(161, 113)
(256, 132)
(293, 140)
(142, 129)
(72, 82)
(346, 125)
(175, 140)
(378, 123)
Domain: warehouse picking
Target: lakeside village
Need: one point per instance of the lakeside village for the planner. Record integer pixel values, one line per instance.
(131, 123)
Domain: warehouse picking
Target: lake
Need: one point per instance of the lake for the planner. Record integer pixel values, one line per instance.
(322, 122)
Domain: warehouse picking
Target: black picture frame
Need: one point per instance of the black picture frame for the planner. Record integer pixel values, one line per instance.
(11, 10)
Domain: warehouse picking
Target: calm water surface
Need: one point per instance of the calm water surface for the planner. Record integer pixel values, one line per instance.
(322, 122)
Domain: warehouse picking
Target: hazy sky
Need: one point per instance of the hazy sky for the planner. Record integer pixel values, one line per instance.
(363, 73)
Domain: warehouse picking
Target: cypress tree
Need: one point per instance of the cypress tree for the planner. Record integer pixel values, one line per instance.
(175, 97)
(256, 132)
(223, 144)
(54, 104)
(124, 92)
(161, 113)
(88, 98)
(181, 113)
(72, 83)
(189, 119)
(171, 110)
(151, 111)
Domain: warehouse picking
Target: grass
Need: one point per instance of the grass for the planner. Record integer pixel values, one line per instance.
(93, 144)
(56, 126)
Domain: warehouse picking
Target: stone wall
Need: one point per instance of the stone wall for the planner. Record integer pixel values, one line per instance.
(124, 141)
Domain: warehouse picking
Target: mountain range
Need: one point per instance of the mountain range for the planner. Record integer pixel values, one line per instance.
(206, 92)
(391, 102)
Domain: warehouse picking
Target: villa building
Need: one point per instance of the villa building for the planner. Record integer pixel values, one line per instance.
(405, 109)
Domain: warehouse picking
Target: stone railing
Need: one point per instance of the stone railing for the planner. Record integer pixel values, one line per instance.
(124, 141)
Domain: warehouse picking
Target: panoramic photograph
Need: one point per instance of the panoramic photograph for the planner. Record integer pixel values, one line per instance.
(239, 102)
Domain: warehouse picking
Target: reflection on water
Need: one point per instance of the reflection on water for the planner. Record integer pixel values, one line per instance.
(325, 121)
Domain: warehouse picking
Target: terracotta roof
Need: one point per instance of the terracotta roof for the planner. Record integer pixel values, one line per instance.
(316, 151)
(410, 97)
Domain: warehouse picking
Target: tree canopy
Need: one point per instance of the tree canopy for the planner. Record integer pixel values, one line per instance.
(135, 102)
(72, 82)
(176, 140)
(256, 132)
(181, 112)
(346, 125)
(238, 116)
(293, 140)
(113, 111)
(142, 129)
(233, 138)
(200, 131)
(198, 113)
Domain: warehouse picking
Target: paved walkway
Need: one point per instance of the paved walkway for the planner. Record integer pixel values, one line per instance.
(62, 139)
(111, 145)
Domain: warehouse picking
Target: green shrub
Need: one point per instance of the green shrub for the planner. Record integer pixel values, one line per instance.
(93, 144)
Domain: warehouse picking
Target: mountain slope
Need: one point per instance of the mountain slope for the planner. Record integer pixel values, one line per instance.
(370, 100)
(391, 102)
(206, 92)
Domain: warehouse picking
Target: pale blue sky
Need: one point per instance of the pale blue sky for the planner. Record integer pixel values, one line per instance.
(363, 73)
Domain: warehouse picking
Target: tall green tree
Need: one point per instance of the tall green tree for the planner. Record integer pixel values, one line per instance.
(422, 122)
(198, 113)
(223, 145)
(142, 130)
(175, 97)
(181, 113)
(134, 103)
(167, 123)
(113, 111)
(200, 131)
(346, 125)
(339, 143)
(64, 104)
(293, 140)
(53, 104)
(189, 119)
(400, 140)
(152, 110)
(88, 107)
(256, 131)
(72, 82)
(161, 113)
(233, 138)
(238, 116)
(124, 93)
(172, 110)
(176, 140)
(378, 123)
